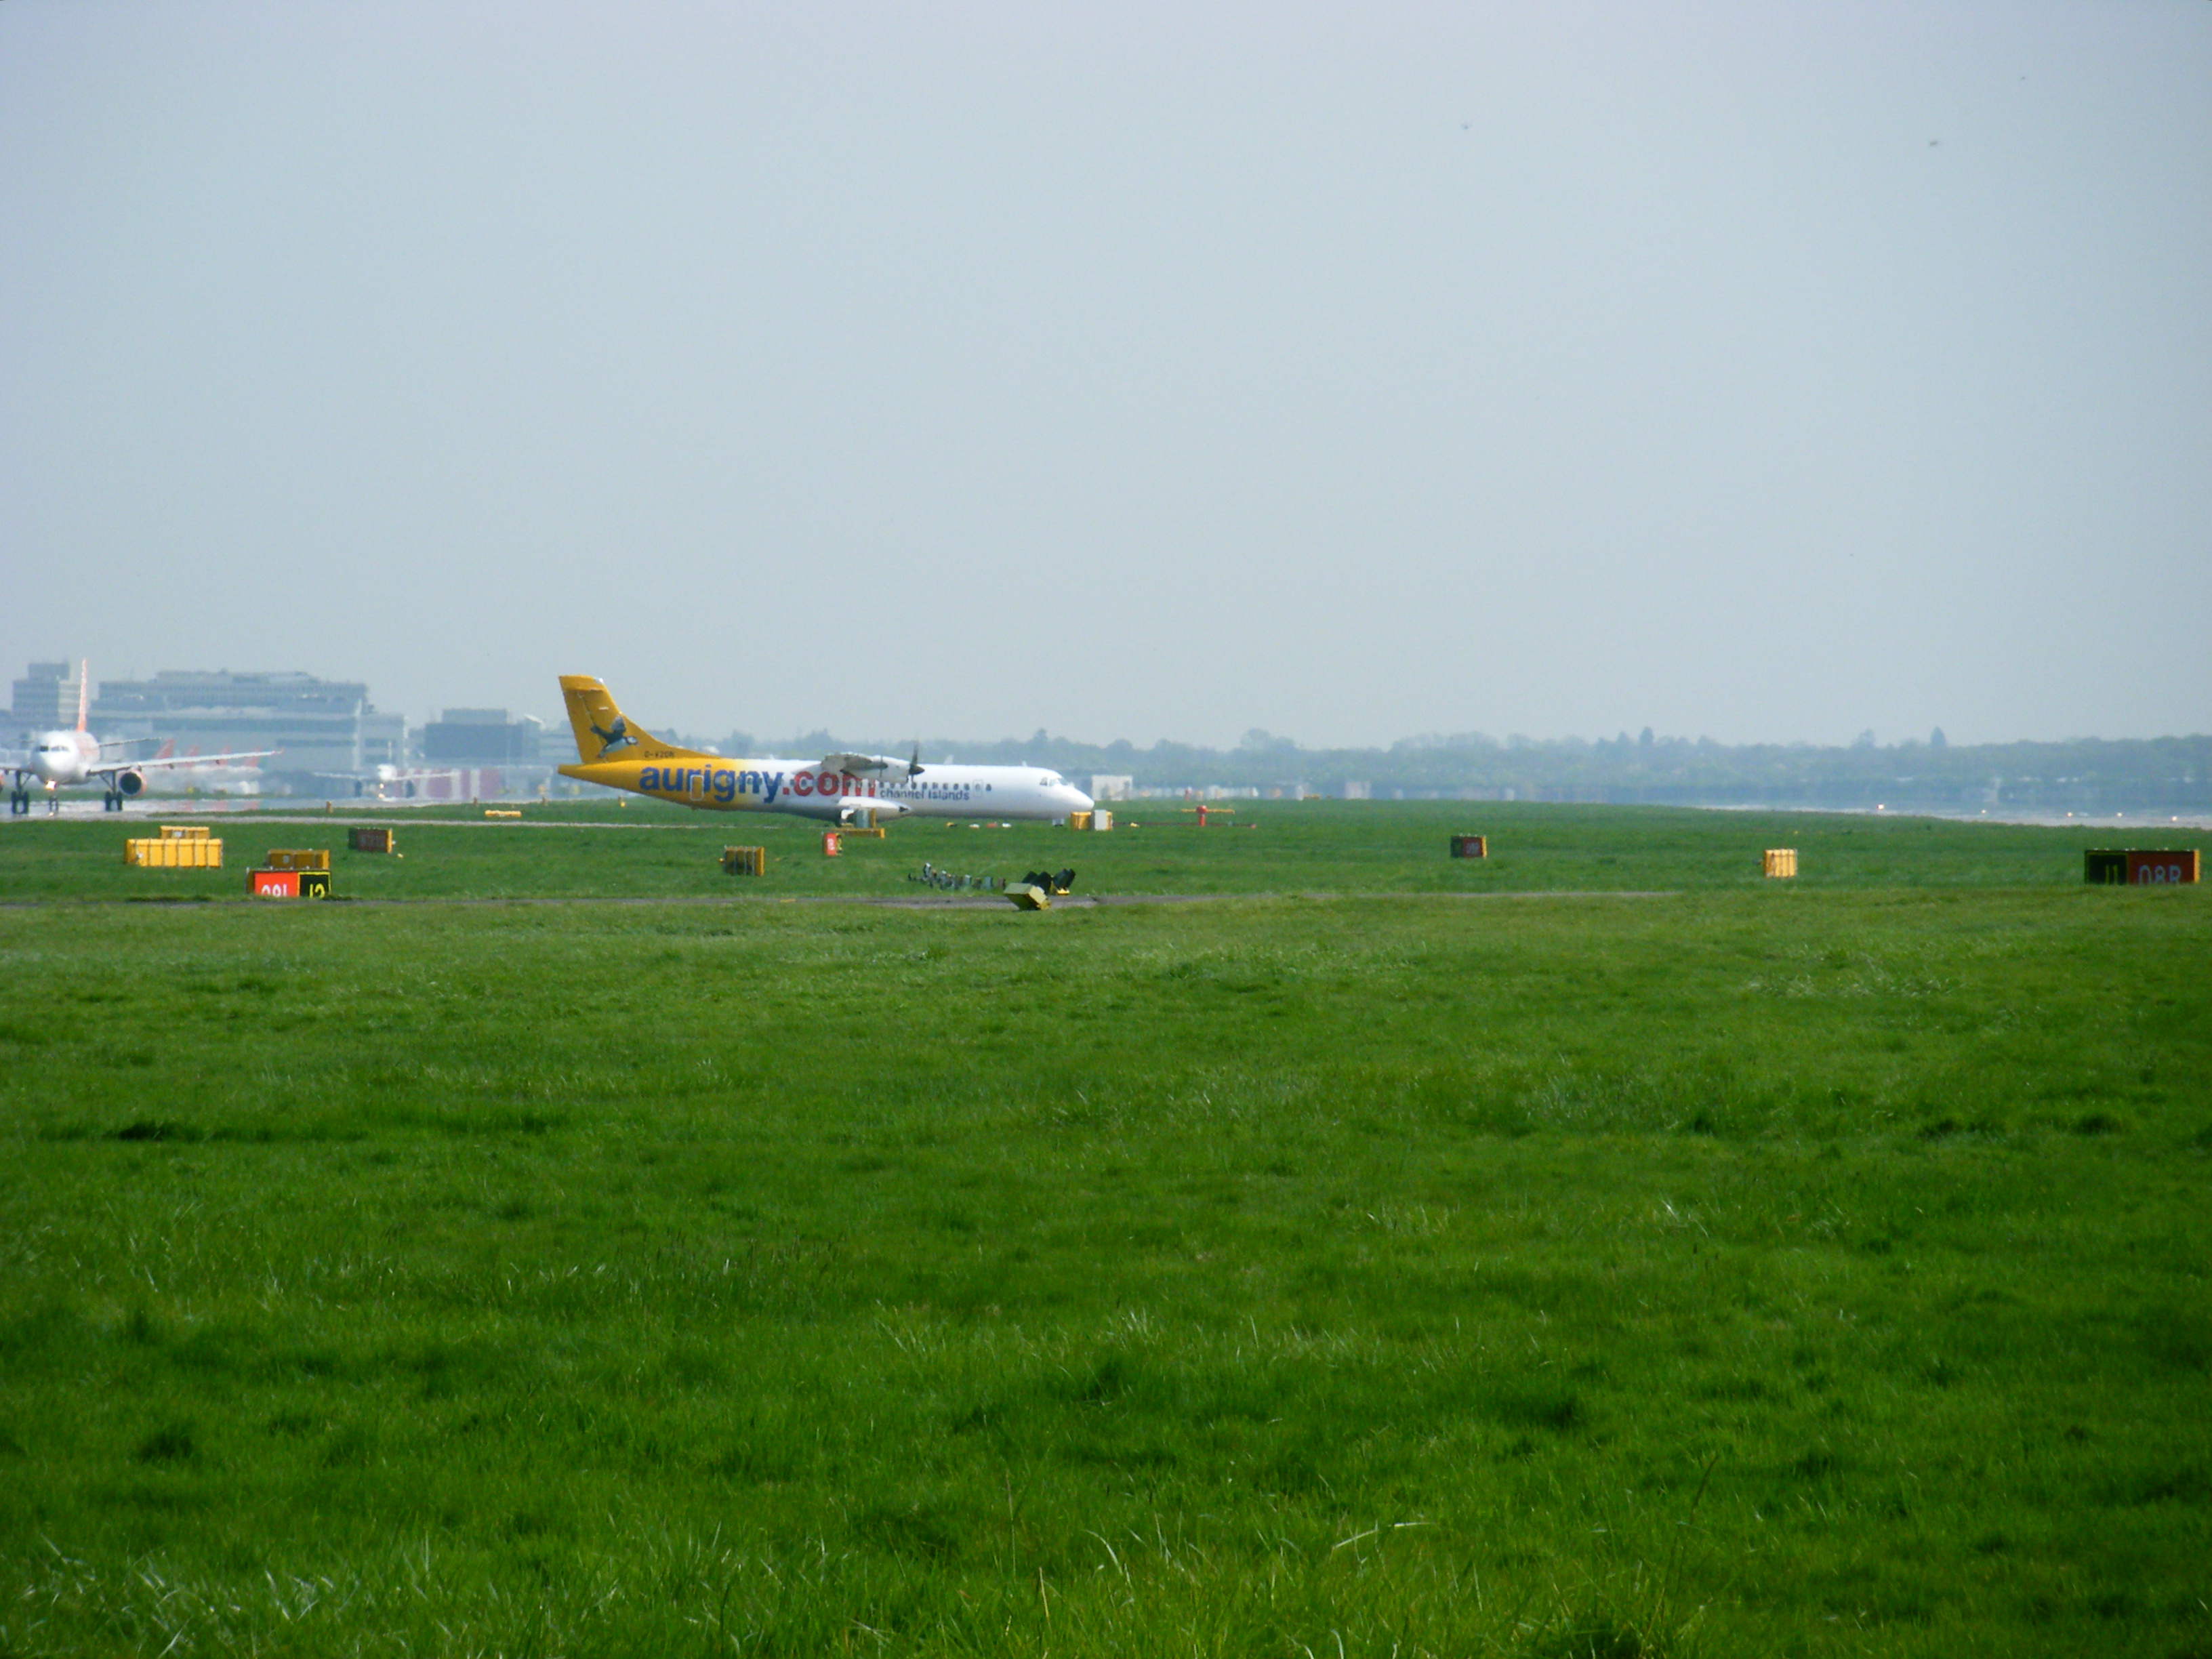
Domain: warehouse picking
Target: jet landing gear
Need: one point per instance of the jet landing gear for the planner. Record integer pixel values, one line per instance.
(113, 802)
(19, 802)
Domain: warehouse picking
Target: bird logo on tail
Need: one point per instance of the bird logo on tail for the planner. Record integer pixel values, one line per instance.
(612, 737)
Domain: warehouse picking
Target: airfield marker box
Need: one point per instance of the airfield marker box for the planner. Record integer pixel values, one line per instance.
(273, 884)
(200, 852)
(2136, 867)
(1470, 847)
(363, 838)
(183, 831)
(1780, 861)
(297, 858)
(745, 860)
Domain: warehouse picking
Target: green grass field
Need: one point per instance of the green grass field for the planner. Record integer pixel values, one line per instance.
(650, 850)
(1760, 1268)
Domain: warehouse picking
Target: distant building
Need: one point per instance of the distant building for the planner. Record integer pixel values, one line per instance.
(321, 729)
(1110, 786)
(450, 783)
(482, 736)
(1356, 791)
(40, 697)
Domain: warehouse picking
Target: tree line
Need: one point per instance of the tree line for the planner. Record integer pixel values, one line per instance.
(2123, 773)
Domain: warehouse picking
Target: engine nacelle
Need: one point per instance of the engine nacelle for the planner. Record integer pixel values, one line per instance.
(859, 809)
(130, 783)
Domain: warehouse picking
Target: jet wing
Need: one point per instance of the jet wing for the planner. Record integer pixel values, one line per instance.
(108, 767)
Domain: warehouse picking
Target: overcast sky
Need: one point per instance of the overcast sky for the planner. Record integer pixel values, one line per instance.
(1766, 372)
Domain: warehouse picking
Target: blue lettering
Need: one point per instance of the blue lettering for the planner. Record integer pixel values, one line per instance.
(649, 778)
(726, 787)
(773, 783)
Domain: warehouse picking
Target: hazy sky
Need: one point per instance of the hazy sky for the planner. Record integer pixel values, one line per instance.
(1767, 371)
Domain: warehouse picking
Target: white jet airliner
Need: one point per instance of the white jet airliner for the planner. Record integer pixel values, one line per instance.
(839, 788)
(59, 759)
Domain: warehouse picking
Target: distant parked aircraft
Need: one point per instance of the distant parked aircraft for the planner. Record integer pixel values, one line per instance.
(841, 788)
(60, 759)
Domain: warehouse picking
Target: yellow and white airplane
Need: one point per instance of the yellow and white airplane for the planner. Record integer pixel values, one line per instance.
(59, 759)
(839, 788)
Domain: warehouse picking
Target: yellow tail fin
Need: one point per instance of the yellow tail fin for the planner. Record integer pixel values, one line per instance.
(602, 731)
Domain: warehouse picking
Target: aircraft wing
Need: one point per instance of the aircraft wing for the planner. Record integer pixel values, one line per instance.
(869, 765)
(860, 763)
(107, 769)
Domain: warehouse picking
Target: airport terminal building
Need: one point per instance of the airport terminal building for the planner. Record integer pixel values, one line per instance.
(323, 728)
(330, 740)
(43, 700)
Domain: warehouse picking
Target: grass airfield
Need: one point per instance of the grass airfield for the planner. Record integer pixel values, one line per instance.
(1661, 1260)
(630, 848)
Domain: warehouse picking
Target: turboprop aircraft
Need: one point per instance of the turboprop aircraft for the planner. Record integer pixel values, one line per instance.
(839, 788)
(58, 759)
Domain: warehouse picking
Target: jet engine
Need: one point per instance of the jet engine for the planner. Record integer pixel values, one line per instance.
(130, 783)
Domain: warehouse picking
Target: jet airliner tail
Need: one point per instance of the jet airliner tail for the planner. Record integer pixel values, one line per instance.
(602, 731)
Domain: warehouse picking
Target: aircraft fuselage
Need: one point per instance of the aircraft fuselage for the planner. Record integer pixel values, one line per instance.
(806, 789)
